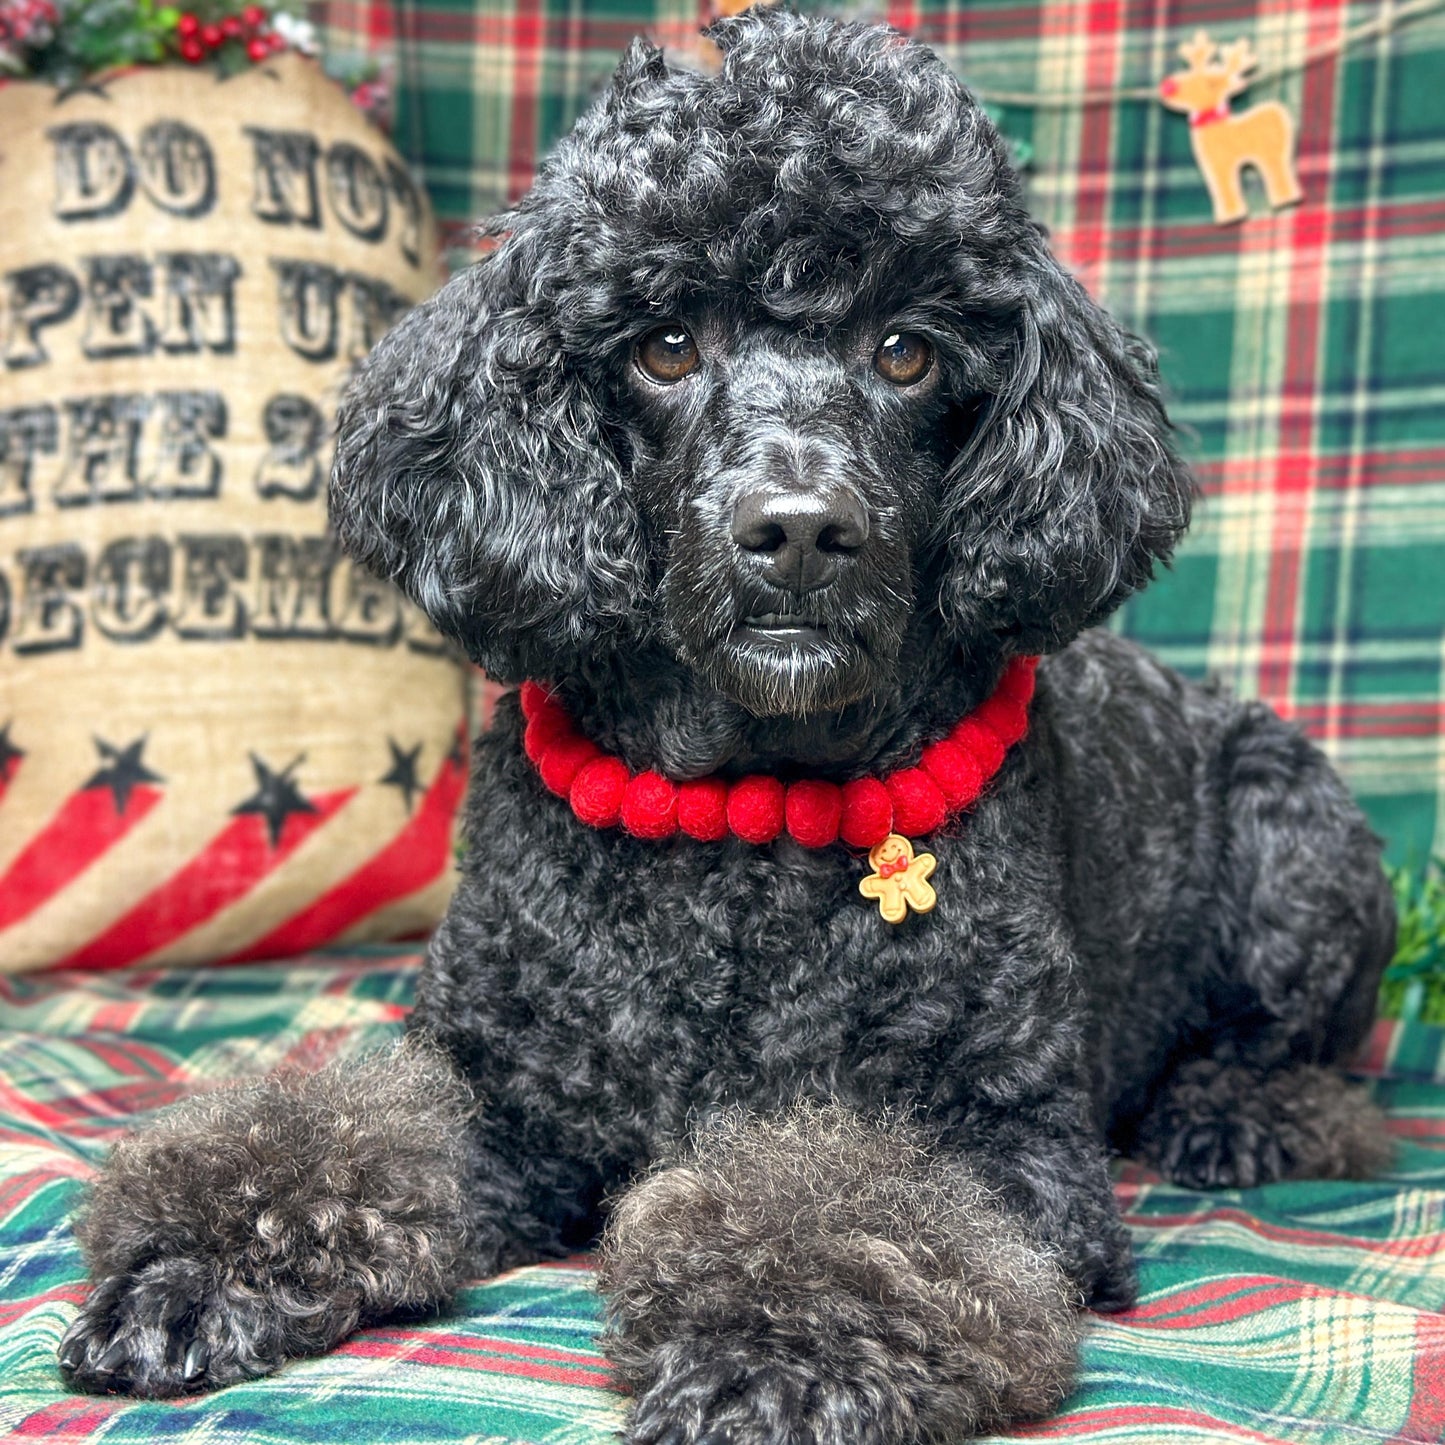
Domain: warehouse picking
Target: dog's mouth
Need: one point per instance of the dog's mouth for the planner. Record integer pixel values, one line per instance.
(782, 627)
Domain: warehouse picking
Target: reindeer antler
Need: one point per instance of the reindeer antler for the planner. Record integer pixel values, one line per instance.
(1239, 59)
(1197, 53)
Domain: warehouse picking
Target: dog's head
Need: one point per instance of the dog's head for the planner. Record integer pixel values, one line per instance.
(771, 370)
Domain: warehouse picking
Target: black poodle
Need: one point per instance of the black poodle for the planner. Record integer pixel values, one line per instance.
(772, 440)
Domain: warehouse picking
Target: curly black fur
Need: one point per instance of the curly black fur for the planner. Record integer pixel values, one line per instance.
(1156, 931)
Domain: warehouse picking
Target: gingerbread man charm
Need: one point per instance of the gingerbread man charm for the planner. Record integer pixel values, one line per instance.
(898, 879)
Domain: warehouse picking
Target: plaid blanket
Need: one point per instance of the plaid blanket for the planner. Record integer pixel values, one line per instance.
(1295, 1313)
(1302, 348)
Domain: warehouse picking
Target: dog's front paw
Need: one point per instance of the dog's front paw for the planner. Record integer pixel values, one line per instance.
(1220, 1126)
(813, 1279)
(710, 1394)
(167, 1329)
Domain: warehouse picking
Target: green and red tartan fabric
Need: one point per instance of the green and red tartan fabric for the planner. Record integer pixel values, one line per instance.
(1305, 351)
(1299, 1313)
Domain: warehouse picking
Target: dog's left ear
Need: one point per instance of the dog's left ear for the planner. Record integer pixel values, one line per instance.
(1069, 489)
(471, 469)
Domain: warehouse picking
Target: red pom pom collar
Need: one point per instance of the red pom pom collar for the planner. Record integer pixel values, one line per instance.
(605, 793)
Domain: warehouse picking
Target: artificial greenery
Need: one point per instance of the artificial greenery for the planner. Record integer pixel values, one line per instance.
(1414, 983)
(65, 41)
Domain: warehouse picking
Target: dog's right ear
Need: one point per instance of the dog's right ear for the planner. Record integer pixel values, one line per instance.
(471, 469)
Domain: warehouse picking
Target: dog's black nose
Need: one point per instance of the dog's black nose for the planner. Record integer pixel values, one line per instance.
(801, 531)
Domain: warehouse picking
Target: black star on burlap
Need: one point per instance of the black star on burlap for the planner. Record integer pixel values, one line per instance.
(276, 796)
(9, 753)
(124, 771)
(403, 771)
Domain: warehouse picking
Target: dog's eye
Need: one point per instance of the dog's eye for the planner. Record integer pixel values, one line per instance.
(903, 358)
(667, 354)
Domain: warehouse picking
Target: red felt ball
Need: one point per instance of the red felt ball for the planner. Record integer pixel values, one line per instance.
(257, 50)
(867, 813)
(534, 698)
(231, 26)
(596, 792)
(563, 760)
(918, 806)
(702, 809)
(755, 808)
(1017, 682)
(982, 742)
(813, 810)
(649, 806)
(211, 36)
(192, 50)
(1009, 719)
(955, 770)
(544, 729)
(276, 41)
(187, 24)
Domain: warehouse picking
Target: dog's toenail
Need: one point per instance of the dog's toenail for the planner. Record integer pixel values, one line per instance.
(72, 1352)
(197, 1358)
(113, 1358)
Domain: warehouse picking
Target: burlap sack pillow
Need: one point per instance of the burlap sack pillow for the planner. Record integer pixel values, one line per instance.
(216, 738)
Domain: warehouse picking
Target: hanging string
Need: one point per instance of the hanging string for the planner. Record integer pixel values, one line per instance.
(1390, 18)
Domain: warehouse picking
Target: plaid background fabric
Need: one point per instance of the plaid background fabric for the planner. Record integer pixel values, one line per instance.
(1304, 350)
(1304, 1314)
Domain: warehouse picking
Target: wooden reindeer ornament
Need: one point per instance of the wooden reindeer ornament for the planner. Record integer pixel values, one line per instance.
(1262, 136)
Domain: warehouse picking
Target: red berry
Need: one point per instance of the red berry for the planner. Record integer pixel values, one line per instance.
(276, 42)
(192, 50)
(211, 36)
(254, 16)
(257, 49)
(231, 27)
(187, 25)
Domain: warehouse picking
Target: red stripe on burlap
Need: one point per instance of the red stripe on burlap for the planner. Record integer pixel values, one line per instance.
(415, 857)
(1309, 237)
(228, 868)
(85, 827)
(9, 772)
